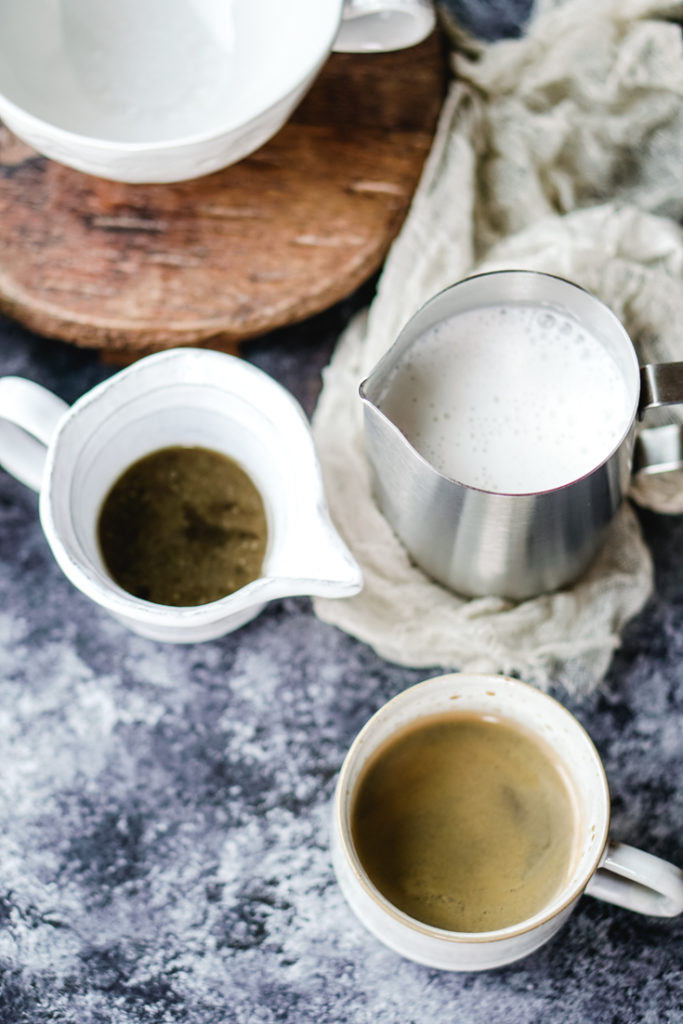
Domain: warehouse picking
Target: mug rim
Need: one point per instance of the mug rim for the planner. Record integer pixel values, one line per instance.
(567, 895)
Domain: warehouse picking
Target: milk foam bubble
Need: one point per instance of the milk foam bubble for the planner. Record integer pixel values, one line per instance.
(512, 398)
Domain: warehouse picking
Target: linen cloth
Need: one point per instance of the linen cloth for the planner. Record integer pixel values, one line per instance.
(561, 151)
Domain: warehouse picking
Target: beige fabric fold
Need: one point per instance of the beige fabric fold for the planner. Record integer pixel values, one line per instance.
(563, 152)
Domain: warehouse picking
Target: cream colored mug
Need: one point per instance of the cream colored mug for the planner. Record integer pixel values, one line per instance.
(599, 865)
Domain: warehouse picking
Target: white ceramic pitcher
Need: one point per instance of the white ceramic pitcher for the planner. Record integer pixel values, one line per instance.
(73, 455)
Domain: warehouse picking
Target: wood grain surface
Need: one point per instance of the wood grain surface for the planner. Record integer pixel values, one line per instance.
(271, 240)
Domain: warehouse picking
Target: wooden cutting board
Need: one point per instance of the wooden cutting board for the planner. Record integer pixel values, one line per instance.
(285, 233)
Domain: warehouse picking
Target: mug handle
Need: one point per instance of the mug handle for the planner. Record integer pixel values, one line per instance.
(371, 26)
(29, 416)
(638, 881)
(659, 449)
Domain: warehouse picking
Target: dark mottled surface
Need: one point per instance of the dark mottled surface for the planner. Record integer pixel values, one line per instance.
(164, 835)
(490, 19)
(164, 810)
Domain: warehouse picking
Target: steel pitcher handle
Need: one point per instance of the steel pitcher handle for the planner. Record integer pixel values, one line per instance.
(638, 881)
(383, 25)
(659, 449)
(29, 415)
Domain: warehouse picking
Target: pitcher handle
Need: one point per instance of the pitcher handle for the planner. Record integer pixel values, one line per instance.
(659, 449)
(638, 881)
(370, 26)
(29, 415)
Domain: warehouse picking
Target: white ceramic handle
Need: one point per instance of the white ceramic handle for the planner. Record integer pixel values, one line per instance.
(29, 415)
(383, 25)
(638, 881)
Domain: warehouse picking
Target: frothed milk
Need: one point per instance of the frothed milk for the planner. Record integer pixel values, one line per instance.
(514, 398)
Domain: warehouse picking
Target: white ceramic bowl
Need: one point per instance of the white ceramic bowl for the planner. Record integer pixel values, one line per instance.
(166, 90)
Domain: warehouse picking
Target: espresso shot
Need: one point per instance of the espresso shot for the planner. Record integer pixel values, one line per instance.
(465, 823)
(183, 526)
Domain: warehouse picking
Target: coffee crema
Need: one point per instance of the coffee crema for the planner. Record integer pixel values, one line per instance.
(465, 822)
(513, 398)
(183, 526)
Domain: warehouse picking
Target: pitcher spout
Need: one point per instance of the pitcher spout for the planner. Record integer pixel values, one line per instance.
(314, 561)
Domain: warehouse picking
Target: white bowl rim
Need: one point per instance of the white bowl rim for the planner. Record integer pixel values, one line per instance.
(122, 147)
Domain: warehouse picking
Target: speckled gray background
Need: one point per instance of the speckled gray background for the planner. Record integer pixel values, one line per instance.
(164, 810)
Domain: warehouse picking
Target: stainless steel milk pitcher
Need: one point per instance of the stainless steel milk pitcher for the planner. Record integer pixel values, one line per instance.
(516, 545)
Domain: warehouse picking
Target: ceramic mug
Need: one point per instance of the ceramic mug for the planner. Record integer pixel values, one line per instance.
(539, 525)
(600, 866)
(166, 90)
(193, 397)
